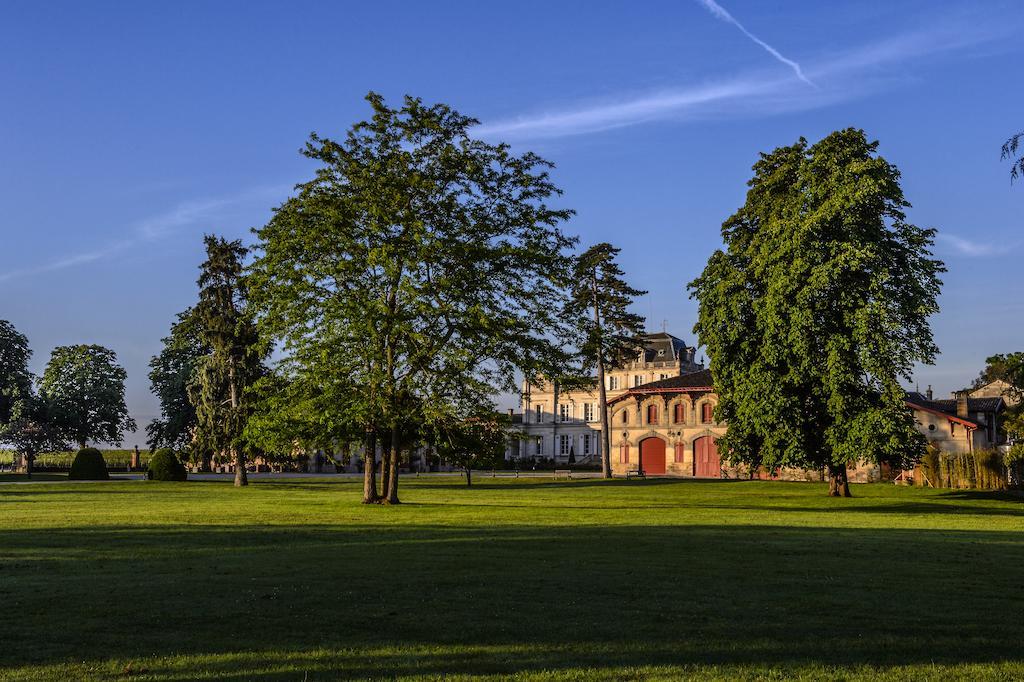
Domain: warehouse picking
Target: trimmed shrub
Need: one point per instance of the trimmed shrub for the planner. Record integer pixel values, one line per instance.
(165, 466)
(88, 466)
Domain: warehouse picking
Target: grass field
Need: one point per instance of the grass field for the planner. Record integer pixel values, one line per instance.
(294, 580)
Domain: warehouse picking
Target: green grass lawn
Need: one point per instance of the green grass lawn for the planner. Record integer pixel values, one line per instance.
(581, 580)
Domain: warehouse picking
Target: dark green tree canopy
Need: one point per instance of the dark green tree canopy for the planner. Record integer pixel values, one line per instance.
(15, 378)
(615, 334)
(221, 325)
(170, 374)
(817, 309)
(84, 387)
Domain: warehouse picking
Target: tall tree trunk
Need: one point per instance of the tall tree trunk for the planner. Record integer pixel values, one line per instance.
(392, 481)
(370, 468)
(241, 476)
(385, 470)
(838, 481)
(30, 460)
(602, 400)
(469, 477)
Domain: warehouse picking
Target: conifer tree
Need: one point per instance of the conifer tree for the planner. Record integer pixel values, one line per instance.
(609, 333)
(235, 358)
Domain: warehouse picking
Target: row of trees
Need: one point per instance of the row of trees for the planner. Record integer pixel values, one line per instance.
(420, 272)
(415, 276)
(78, 399)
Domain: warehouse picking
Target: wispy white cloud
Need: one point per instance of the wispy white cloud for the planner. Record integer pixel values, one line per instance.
(186, 214)
(840, 77)
(967, 247)
(721, 13)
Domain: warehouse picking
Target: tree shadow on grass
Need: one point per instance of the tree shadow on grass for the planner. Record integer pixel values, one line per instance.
(505, 599)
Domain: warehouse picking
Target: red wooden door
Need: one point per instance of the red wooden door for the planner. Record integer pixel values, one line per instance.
(706, 463)
(652, 456)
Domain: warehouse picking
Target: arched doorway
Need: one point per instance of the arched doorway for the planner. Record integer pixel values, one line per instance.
(652, 456)
(706, 463)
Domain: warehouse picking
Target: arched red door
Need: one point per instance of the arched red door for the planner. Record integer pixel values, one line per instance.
(652, 456)
(706, 463)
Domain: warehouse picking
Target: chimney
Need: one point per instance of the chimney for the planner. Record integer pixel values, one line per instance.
(961, 403)
(928, 393)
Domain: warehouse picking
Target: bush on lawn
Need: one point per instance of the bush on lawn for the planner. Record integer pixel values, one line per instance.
(165, 466)
(88, 466)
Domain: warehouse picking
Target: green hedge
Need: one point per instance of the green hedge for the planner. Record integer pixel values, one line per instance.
(88, 466)
(165, 466)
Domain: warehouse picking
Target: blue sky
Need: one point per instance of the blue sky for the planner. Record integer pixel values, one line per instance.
(127, 130)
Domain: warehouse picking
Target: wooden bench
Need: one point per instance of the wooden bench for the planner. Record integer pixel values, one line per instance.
(635, 473)
(562, 473)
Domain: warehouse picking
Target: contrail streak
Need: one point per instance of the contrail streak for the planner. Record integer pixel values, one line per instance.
(721, 13)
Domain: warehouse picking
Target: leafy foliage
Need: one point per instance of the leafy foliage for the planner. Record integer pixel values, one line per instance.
(1008, 367)
(609, 333)
(418, 263)
(171, 373)
(1009, 151)
(165, 466)
(32, 429)
(88, 466)
(473, 443)
(15, 379)
(817, 308)
(84, 387)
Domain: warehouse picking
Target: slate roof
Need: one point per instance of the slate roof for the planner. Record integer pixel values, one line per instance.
(948, 406)
(973, 404)
(698, 379)
(671, 346)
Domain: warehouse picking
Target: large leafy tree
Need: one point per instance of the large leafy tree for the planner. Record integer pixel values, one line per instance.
(32, 429)
(26, 421)
(84, 387)
(15, 378)
(234, 362)
(1008, 367)
(817, 309)
(608, 332)
(478, 441)
(416, 258)
(170, 374)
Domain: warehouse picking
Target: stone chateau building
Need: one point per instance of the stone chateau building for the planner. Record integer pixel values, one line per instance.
(661, 409)
(661, 414)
